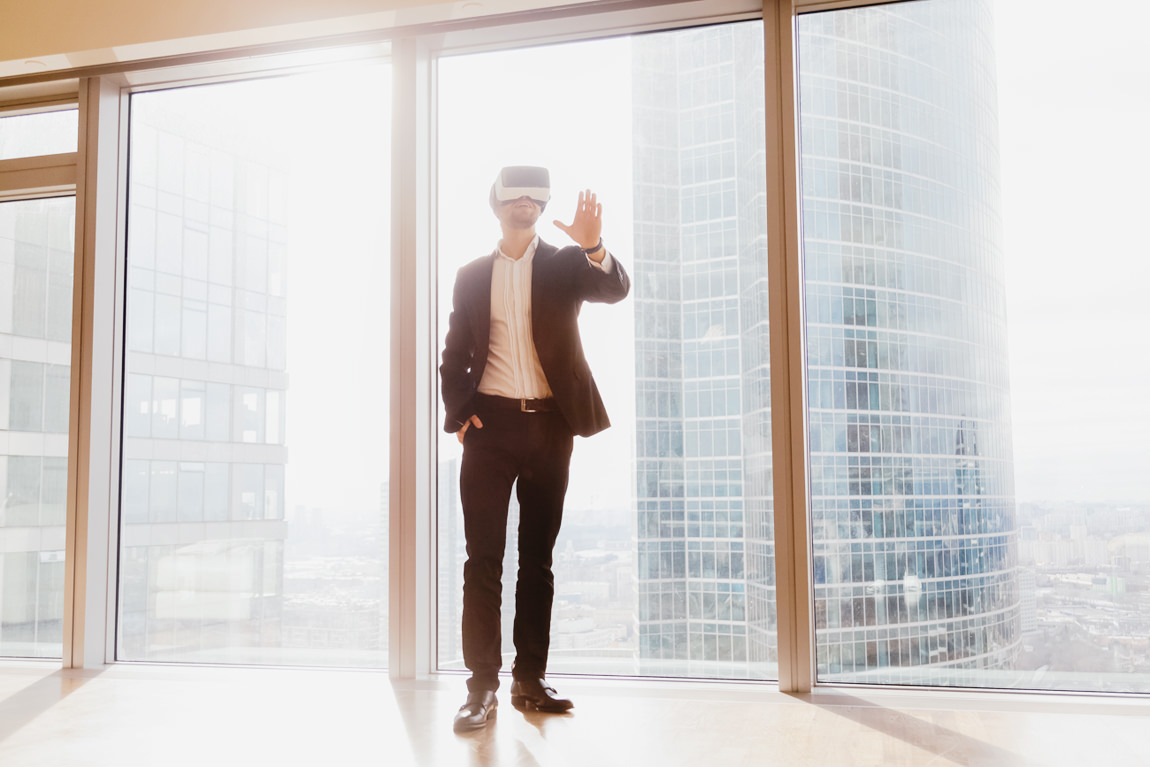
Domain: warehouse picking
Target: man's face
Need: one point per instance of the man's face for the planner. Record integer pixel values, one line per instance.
(519, 214)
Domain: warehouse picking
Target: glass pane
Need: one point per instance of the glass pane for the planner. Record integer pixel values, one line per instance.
(37, 134)
(980, 500)
(36, 257)
(664, 563)
(254, 502)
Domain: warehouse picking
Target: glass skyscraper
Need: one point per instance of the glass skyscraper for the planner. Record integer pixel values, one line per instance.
(911, 458)
(911, 463)
(703, 473)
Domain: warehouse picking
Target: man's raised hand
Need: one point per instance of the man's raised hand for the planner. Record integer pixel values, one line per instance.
(587, 227)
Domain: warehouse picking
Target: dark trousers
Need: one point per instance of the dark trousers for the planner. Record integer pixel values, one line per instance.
(535, 449)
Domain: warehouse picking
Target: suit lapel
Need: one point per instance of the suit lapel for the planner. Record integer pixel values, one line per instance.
(483, 308)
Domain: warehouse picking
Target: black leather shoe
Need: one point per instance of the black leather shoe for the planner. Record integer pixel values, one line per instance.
(537, 695)
(475, 713)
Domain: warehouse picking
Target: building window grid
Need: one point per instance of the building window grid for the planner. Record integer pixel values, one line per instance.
(165, 408)
(185, 239)
(890, 288)
(36, 293)
(201, 491)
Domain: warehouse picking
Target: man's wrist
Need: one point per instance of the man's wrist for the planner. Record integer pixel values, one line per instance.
(597, 247)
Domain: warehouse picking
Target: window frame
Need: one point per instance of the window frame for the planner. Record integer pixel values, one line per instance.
(96, 586)
(414, 593)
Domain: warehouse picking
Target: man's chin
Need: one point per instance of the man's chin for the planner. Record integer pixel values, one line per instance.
(525, 220)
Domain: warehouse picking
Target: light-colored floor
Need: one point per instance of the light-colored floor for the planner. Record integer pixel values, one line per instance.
(129, 716)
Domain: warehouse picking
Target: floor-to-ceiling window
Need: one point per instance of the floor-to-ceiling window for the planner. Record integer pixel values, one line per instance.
(979, 497)
(970, 203)
(36, 264)
(254, 516)
(664, 565)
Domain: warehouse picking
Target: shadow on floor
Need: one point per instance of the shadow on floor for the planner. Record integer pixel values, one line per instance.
(941, 741)
(22, 706)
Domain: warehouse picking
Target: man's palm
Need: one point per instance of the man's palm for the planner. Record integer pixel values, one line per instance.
(587, 227)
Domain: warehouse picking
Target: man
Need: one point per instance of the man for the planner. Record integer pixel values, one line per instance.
(516, 388)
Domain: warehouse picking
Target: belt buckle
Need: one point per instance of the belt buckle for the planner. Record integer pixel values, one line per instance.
(523, 406)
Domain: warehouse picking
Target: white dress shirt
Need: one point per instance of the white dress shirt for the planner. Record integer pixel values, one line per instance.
(513, 369)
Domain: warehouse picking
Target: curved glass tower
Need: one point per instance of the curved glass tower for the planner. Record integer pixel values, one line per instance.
(912, 502)
(912, 508)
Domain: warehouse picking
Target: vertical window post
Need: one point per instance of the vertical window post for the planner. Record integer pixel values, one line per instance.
(788, 407)
(89, 601)
(411, 514)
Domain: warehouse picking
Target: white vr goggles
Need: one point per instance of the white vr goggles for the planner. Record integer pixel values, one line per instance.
(517, 181)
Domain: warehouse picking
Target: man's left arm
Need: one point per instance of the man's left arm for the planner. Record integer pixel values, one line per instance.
(606, 280)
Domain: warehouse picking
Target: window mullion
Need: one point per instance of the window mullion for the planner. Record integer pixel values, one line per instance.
(411, 564)
(89, 603)
(788, 406)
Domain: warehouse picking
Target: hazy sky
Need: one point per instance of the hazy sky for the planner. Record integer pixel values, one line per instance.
(339, 328)
(1073, 106)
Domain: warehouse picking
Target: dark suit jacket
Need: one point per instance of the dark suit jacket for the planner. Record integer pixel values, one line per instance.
(561, 280)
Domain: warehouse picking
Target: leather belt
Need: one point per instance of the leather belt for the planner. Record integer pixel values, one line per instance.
(522, 404)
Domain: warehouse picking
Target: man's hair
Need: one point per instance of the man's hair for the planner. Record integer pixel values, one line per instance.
(517, 181)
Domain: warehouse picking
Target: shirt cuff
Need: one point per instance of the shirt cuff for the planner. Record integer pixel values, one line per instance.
(608, 264)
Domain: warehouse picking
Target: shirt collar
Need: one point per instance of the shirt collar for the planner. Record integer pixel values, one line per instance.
(528, 254)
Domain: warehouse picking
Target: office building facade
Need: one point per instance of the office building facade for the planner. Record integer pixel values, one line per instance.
(703, 489)
(205, 380)
(912, 499)
(912, 508)
(35, 364)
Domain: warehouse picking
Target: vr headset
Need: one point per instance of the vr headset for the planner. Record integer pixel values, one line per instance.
(517, 181)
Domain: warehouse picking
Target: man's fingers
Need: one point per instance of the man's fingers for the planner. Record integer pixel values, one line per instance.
(590, 206)
(586, 223)
(467, 425)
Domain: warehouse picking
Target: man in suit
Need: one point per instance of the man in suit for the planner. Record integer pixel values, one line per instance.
(516, 389)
